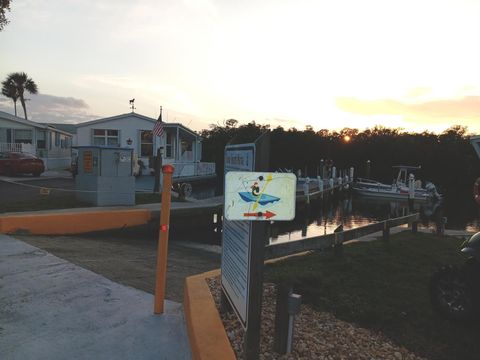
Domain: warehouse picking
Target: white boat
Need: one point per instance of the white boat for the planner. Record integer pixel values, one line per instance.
(399, 189)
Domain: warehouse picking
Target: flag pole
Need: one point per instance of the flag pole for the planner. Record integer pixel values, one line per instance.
(158, 161)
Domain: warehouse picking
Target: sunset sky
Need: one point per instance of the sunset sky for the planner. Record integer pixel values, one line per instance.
(329, 64)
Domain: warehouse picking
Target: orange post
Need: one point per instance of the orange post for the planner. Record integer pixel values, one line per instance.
(162, 251)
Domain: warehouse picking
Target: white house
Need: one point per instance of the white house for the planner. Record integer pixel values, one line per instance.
(180, 146)
(50, 144)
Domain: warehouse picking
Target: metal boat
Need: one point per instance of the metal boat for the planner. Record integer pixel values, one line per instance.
(403, 187)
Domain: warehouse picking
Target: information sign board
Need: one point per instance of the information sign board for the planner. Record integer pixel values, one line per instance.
(237, 237)
(87, 161)
(260, 196)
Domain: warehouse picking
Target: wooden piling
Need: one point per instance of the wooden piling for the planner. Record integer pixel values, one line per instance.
(280, 341)
(386, 231)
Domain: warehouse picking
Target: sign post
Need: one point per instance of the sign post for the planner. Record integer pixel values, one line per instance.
(237, 238)
(245, 235)
(162, 251)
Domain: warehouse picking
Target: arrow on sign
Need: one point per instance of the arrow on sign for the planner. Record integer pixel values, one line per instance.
(267, 214)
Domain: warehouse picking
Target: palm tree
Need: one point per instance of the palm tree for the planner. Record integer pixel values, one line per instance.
(10, 91)
(22, 83)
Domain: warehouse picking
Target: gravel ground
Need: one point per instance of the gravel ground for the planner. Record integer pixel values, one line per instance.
(317, 335)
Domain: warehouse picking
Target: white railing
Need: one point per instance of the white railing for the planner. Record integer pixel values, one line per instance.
(193, 169)
(17, 147)
(204, 168)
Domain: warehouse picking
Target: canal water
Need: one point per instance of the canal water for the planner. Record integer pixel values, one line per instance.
(319, 218)
(354, 211)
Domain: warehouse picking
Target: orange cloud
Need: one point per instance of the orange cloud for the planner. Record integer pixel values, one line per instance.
(467, 107)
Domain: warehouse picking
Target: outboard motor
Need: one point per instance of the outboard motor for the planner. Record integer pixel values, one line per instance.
(471, 248)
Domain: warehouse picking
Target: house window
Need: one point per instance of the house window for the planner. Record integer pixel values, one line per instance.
(169, 146)
(57, 140)
(146, 143)
(23, 136)
(41, 140)
(105, 137)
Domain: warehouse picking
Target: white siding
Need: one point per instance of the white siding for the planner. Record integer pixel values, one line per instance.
(129, 128)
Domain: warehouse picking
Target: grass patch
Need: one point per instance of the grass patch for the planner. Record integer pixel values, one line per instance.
(42, 203)
(151, 198)
(384, 287)
(66, 201)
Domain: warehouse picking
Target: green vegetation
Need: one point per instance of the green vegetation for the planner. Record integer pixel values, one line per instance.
(66, 201)
(447, 159)
(150, 198)
(15, 86)
(45, 202)
(4, 7)
(384, 287)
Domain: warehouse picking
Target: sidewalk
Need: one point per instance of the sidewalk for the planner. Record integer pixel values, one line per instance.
(53, 309)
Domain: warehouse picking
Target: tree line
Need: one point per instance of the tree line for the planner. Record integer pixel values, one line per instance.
(447, 159)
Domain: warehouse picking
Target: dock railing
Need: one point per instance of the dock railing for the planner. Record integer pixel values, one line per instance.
(336, 240)
(183, 169)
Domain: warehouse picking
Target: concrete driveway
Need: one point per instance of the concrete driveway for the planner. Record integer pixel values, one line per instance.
(53, 309)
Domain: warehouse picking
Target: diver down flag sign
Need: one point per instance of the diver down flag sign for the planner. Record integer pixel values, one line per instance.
(260, 196)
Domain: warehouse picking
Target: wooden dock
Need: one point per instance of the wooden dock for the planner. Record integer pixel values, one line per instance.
(337, 239)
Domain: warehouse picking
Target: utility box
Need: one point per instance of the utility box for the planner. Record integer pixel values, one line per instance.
(105, 175)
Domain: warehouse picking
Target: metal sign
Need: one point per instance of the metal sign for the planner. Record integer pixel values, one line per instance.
(260, 196)
(44, 191)
(240, 157)
(237, 238)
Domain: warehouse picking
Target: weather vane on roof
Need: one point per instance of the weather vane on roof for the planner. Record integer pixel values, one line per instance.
(132, 104)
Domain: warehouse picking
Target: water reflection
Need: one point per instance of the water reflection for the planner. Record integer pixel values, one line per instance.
(204, 191)
(323, 218)
(351, 212)
(320, 219)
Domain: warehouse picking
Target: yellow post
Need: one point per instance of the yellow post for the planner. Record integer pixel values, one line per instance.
(162, 250)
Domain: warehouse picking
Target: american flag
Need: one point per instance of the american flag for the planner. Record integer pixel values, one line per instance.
(158, 128)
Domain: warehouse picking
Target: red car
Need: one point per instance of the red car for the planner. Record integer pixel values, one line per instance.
(13, 163)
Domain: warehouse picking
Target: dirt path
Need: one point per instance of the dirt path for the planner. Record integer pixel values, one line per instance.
(128, 260)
